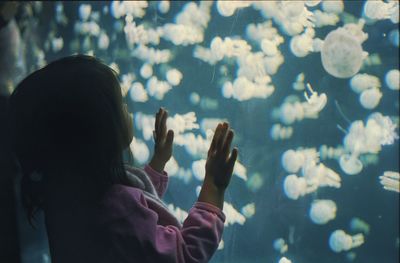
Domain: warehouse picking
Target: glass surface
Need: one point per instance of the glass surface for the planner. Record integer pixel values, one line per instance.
(257, 65)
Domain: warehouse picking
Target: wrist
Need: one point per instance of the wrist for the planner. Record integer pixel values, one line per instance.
(212, 194)
(156, 164)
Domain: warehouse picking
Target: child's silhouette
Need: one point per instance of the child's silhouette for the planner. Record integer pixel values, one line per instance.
(69, 129)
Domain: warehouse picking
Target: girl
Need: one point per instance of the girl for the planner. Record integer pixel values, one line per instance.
(69, 130)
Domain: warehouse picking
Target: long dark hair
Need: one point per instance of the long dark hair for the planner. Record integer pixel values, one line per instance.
(68, 124)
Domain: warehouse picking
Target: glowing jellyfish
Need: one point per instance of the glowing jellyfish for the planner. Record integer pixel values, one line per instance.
(103, 41)
(279, 132)
(269, 47)
(341, 54)
(284, 260)
(174, 77)
(248, 210)
(333, 6)
(370, 98)
(390, 181)
(199, 169)
(296, 187)
(350, 164)
(280, 245)
(292, 161)
(232, 215)
(146, 71)
(139, 150)
(138, 93)
(255, 182)
(392, 79)
(84, 11)
(163, 6)
(379, 10)
(322, 211)
(340, 241)
(57, 44)
(301, 45)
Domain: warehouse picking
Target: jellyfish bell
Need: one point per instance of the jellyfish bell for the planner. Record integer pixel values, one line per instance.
(292, 161)
(370, 98)
(301, 45)
(341, 54)
(392, 79)
(350, 164)
(340, 241)
(322, 211)
(294, 186)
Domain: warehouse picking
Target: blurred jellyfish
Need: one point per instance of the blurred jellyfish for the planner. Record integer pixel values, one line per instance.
(333, 6)
(174, 77)
(379, 10)
(390, 181)
(269, 47)
(84, 11)
(392, 79)
(325, 19)
(341, 54)
(146, 71)
(284, 260)
(296, 187)
(358, 225)
(315, 103)
(292, 161)
(103, 41)
(326, 152)
(199, 169)
(370, 98)
(255, 182)
(232, 215)
(57, 44)
(157, 88)
(394, 37)
(248, 210)
(340, 241)
(280, 245)
(299, 82)
(228, 8)
(279, 132)
(139, 150)
(322, 211)
(138, 93)
(350, 164)
(163, 6)
(302, 45)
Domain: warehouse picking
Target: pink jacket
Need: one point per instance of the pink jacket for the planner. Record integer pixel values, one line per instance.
(142, 231)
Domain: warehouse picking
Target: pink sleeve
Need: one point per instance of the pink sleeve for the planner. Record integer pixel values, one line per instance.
(135, 235)
(159, 180)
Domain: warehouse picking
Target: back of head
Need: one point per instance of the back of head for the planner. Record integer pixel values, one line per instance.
(69, 117)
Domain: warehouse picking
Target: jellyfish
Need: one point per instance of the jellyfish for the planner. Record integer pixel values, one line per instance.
(392, 79)
(255, 182)
(279, 132)
(379, 10)
(350, 164)
(315, 103)
(163, 6)
(269, 47)
(319, 175)
(199, 169)
(174, 77)
(292, 161)
(312, 3)
(361, 82)
(146, 71)
(57, 44)
(280, 245)
(333, 6)
(370, 98)
(299, 83)
(284, 260)
(103, 41)
(358, 225)
(341, 54)
(296, 187)
(84, 11)
(232, 215)
(138, 93)
(301, 45)
(248, 210)
(340, 241)
(139, 150)
(322, 211)
(390, 181)
(325, 19)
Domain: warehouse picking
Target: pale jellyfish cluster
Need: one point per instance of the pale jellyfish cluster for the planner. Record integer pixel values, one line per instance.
(392, 79)
(313, 173)
(210, 124)
(280, 245)
(243, 89)
(301, 45)
(342, 54)
(146, 70)
(380, 10)
(369, 88)
(152, 55)
(134, 8)
(157, 88)
(174, 77)
(138, 35)
(137, 92)
(322, 19)
(255, 182)
(279, 132)
(327, 152)
(297, 111)
(361, 139)
(232, 215)
(340, 241)
(390, 181)
(173, 170)
(322, 211)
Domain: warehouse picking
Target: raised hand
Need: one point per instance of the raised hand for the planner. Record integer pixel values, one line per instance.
(220, 162)
(163, 141)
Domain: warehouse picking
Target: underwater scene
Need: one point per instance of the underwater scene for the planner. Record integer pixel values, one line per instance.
(310, 88)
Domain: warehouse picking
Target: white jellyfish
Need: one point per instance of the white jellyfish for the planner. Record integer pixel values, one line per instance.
(312, 3)
(84, 11)
(57, 44)
(292, 161)
(315, 103)
(350, 164)
(362, 81)
(279, 132)
(299, 82)
(199, 169)
(333, 6)
(255, 182)
(146, 71)
(322, 211)
(379, 10)
(284, 260)
(392, 79)
(269, 47)
(232, 215)
(138, 93)
(139, 150)
(301, 45)
(341, 54)
(296, 187)
(163, 6)
(174, 77)
(390, 181)
(103, 41)
(340, 241)
(280, 245)
(248, 210)
(370, 98)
